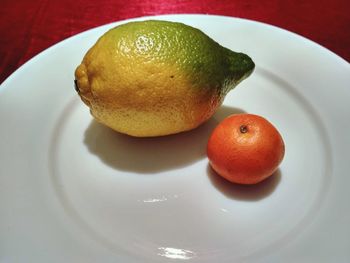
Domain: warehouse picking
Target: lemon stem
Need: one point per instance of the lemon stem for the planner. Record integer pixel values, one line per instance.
(76, 86)
(243, 128)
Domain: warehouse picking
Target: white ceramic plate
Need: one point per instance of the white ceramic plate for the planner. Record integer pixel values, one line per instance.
(72, 190)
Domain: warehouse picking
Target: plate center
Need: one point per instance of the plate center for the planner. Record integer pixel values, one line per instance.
(157, 197)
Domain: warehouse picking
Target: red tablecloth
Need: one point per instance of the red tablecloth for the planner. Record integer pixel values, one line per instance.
(28, 27)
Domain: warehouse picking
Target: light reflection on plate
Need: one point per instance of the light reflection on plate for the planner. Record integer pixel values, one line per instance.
(176, 253)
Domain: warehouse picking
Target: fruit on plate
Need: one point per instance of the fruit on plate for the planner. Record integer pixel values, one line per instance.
(245, 149)
(153, 78)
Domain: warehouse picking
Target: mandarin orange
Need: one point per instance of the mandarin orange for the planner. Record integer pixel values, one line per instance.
(245, 149)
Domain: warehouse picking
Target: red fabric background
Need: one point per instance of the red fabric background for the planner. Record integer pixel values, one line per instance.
(28, 27)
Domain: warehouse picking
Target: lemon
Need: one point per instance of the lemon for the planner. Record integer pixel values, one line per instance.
(154, 78)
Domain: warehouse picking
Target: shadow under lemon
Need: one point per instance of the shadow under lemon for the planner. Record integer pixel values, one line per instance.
(155, 154)
(253, 192)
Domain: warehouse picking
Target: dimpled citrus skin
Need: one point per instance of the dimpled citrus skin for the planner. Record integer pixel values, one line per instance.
(245, 148)
(155, 78)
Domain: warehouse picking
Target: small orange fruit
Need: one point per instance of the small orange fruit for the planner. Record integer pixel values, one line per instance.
(245, 149)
